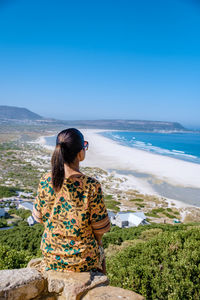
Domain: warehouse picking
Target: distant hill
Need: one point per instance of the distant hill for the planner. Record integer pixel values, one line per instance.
(17, 113)
(138, 125)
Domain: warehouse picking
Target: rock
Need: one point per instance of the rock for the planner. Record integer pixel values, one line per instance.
(20, 284)
(79, 285)
(111, 293)
(71, 285)
(35, 263)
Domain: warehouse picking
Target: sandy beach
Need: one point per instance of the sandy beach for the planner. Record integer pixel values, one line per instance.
(147, 172)
(108, 154)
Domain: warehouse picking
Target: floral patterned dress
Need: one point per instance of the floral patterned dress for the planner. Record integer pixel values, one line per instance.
(71, 217)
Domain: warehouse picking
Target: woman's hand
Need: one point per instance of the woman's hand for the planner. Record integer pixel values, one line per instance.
(104, 266)
(98, 238)
(100, 243)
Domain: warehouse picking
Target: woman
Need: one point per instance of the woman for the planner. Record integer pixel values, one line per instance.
(71, 207)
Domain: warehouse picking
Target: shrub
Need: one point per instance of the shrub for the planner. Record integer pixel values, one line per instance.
(165, 267)
(6, 191)
(13, 259)
(149, 234)
(23, 213)
(23, 237)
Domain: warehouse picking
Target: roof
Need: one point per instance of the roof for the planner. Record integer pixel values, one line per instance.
(111, 214)
(140, 214)
(31, 220)
(132, 218)
(27, 205)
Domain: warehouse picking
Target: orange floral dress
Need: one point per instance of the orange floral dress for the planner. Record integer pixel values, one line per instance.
(71, 217)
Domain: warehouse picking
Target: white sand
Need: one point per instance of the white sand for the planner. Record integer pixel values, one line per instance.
(108, 154)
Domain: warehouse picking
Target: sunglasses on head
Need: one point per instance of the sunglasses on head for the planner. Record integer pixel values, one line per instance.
(86, 144)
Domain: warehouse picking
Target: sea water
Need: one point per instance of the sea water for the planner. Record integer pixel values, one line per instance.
(184, 146)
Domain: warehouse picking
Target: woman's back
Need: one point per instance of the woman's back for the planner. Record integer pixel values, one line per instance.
(70, 217)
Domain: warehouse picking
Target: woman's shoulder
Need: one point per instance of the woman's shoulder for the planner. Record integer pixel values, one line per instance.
(45, 176)
(91, 180)
(88, 180)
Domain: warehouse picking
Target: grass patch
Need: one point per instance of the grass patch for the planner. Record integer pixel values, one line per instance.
(155, 213)
(137, 200)
(108, 197)
(111, 203)
(140, 205)
(6, 191)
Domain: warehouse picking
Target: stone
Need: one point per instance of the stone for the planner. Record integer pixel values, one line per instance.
(36, 263)
(20, 284)
(111, 293)
(71, 285)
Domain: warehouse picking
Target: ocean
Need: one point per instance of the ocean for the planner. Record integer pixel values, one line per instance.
(184, 146)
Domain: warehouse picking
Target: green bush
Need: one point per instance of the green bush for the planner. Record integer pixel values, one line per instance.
(111, 203)
(149, 234)
(23, 213)
(23, 237)
(3, 222)
(13, 259)
(6, 191)
(165, 267)
(137, 200)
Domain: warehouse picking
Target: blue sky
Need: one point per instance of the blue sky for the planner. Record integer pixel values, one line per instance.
(102, 59)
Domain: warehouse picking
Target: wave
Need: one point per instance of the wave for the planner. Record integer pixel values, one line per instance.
(155, 149)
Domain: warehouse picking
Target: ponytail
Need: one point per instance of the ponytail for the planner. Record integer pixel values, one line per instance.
(68, 143)
(58, 171)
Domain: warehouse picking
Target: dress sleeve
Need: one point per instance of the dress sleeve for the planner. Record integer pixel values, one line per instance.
(37, 211)
(100, 221)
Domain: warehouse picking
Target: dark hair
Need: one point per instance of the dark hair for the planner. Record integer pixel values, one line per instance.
(68, 143)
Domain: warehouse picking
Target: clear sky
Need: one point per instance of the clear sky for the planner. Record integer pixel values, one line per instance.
(102, 59)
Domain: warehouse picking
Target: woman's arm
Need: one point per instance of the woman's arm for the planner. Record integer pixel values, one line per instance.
(100, 221)
(37, 209)
(99, 238)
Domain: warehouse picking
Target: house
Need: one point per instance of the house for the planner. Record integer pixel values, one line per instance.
(31, 221)
(26, 205)
(128, 219)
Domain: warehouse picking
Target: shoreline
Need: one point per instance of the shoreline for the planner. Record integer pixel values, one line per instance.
(176, 172)
(108, 154)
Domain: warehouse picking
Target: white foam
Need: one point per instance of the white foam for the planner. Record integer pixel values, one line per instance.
(107, 154)
(155, 149)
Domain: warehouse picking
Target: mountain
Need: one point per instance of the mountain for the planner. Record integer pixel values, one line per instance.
(17, 113)
(139, 125)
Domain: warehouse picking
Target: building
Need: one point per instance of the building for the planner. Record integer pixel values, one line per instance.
(31, 221)
(26, 205)
(128, 219)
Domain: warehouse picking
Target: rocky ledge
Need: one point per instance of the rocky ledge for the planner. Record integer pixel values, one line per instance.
(32, 283)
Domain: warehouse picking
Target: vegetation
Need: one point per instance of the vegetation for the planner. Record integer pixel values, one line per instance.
(23, 237)
(3, 222)
(21, 212)
(111, 203)
(168, 212)
(164, 267)
(137, 200)
(21, 165)
(6, 191)
(13, 259)
(159, 261)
